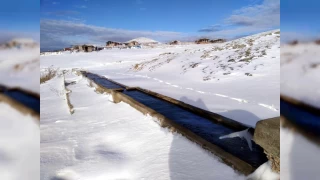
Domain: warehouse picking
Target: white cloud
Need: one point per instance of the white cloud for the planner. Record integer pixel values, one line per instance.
(263, 15)
(247, 20)
(212, 28)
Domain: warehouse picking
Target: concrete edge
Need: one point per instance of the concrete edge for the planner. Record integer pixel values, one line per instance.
(216, 118)
(122, 85)
(67, 92)
(285, 123)
(29, 93)
(19, 107)
(227, 158)
(300, 105)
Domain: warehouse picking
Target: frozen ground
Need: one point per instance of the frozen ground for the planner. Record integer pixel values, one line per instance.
(237, 79)
(300, 72)
(299, 159)
(103, 140)
(300, 76)
(19, 145)
(19, 133)
(20, 68)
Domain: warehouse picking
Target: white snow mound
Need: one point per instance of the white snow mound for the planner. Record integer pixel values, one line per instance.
(143, 40)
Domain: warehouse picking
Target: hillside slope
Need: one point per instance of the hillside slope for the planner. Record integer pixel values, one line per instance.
(238, 79)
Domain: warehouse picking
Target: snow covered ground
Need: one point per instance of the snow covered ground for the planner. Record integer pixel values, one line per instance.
(20, 68)
(19, 133)
(103, 140)
(19, 145)
(237, 79)
(300, 72)
(298, 156)
(300, 76)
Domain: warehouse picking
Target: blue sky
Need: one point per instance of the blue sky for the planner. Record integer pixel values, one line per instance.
(64, 23)
(19, 18)
(300, 19)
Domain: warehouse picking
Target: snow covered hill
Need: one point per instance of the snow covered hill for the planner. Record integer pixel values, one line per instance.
(119, 142)
(143, 40)
(20, 68)
(300, 72)
(237, 79)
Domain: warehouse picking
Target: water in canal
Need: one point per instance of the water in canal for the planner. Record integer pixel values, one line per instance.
(203, 127)
(102, 81)
(25, 99)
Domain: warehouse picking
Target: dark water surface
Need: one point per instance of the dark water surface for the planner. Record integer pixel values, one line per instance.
(25, 99)
(203, 127)
(303, 118)
(103, 82)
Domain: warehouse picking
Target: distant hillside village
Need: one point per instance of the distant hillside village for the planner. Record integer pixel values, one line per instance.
(19, 43)
(132, 44)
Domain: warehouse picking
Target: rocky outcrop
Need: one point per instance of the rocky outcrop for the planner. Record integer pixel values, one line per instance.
(267, 135)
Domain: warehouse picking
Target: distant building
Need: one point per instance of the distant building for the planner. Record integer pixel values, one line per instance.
(67, 49)
(88, 48)
(217, 41)
(77, 48)
(97, 48)
(295, 42)
(21, 42)
(202, 41)
(113, 44)
(110, 43)
(132, 43)
(174, 42)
